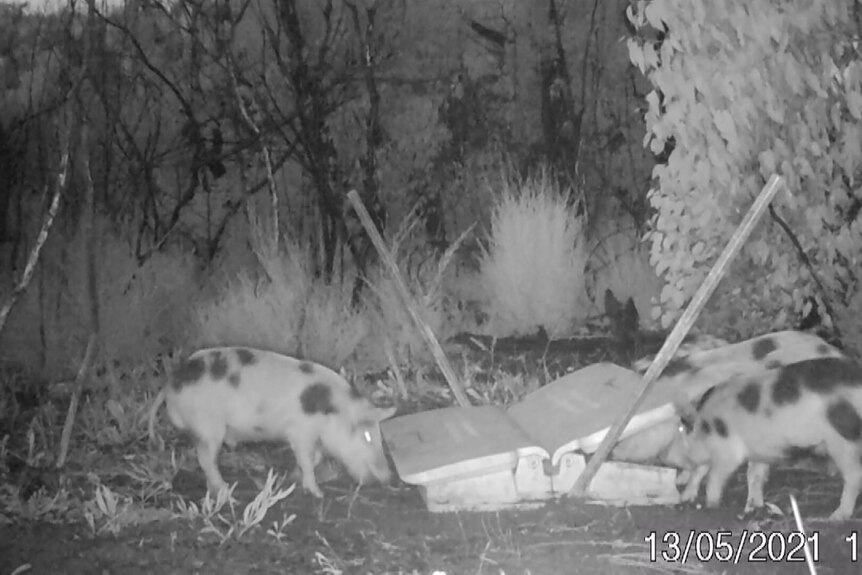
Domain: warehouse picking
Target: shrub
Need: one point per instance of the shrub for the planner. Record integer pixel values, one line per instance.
(427, 275)
(282, 306)
(533, 266)
(142, 307)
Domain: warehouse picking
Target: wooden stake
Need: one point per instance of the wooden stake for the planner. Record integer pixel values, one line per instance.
(412, 308)
(679, 331)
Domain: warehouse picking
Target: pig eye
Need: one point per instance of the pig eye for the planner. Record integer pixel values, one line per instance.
(367, 435)
(685, 427)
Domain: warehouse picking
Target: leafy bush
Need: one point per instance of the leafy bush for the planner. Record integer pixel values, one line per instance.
(533, 266)
(749, 90)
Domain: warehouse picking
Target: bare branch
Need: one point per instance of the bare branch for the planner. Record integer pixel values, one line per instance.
(267, 156)
(33, 259)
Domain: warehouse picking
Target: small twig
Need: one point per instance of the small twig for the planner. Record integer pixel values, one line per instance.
(88, 227)
(613, 544)
(803, 257)
(267, 155)
(83, 370)
(396, 370)
(640, 561)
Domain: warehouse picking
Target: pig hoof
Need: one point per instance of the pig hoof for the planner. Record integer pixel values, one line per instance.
(839, 515)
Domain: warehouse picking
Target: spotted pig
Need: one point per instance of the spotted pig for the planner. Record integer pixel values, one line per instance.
(691, 344)
(234, 395)
(690, 365)
(810, 405)
(700, 364)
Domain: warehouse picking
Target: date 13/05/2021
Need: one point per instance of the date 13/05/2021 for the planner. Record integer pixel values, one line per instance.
(744, 547)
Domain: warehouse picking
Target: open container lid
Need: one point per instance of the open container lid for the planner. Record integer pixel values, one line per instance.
(574, 412)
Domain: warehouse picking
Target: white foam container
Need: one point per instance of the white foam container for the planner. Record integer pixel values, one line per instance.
(488, 458)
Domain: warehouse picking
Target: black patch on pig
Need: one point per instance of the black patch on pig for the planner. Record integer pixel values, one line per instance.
(823, 349)
(825, 374)
(749, 397)
(218, 365)
(245, 356)
(701, 401)
(763, 347)
(773, 364)
(306, 367)
(677, 366)
(720, 426)
(822, 375)
(785, 390)
(846, 421)
(233, 379)
(317, 399)
(189, 371)
(704, 427)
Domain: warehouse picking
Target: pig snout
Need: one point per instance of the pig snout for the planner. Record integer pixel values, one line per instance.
(361, 452)
(652, 445)
(379, 465)
(379, 469)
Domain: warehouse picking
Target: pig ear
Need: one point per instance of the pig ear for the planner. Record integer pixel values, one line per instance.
(684, 408)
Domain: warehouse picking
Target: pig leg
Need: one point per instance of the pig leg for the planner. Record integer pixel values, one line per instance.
(296, 474)
(208, 449)
(758, 472)
(846, 457)
(307, 455)
(722, 467)
(695, 479)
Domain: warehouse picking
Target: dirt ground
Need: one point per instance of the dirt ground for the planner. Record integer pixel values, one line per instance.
(387, 529)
